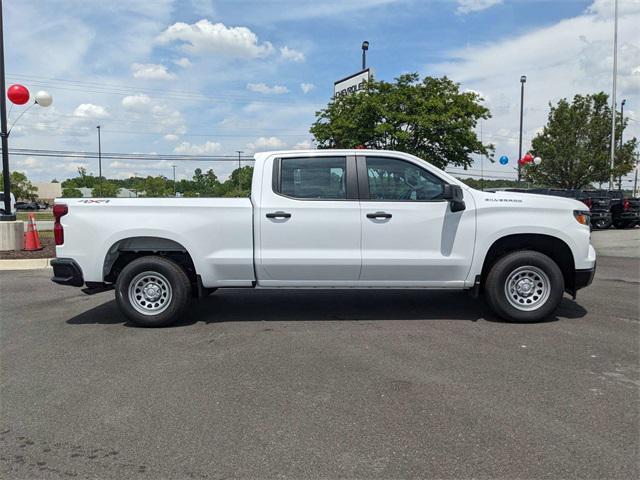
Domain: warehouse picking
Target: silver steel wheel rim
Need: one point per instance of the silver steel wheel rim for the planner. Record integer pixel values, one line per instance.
(150, 293)
(527, 288)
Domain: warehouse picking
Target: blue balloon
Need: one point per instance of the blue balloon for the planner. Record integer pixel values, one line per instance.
(504, 160)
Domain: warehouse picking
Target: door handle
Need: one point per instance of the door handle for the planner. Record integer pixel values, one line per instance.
(278, 215)
(379, 215)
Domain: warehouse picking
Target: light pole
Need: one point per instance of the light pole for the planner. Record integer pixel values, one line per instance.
(613, 93)
(239, 167)
(7, 215)
(523, 80)
(365, 47)
(99, 160)
(174, 180)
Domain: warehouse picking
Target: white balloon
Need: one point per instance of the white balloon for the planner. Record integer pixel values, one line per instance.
(537, 160)
(43, 98)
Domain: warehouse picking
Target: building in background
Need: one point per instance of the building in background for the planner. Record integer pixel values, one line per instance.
(48, 191)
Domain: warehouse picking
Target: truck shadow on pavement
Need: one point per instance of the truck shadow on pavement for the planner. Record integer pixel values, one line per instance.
(238, 305)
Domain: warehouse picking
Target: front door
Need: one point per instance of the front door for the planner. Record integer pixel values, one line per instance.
(410, 237)
(309, 221)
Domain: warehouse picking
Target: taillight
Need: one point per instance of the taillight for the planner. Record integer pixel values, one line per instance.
(588, 202)
(59, 211)
(626, 205)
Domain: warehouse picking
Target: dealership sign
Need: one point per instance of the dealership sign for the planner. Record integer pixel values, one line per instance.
(351, 84)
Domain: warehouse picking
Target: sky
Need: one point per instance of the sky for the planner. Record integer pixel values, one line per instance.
(210, 77)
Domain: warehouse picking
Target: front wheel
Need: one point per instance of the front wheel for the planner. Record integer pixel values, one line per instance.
(524, 286)
(602, 224)
(153, 291)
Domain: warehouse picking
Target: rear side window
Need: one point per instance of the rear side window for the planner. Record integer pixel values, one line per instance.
(314, 178)
(393, 179)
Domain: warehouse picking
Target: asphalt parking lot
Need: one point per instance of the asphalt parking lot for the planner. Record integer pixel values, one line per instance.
(327, 384)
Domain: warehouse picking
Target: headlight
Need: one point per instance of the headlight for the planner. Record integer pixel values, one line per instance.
(582, 216)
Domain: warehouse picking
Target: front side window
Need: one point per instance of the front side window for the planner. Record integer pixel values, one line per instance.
(314, 178)
(393, 179)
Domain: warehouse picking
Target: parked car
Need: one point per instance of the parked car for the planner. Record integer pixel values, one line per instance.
(328, 219)
(13, 203)
(600, 208)
(27, 206)
(625, 211)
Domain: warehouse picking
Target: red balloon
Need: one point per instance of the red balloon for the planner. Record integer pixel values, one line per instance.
(18, 94)
(528, 158)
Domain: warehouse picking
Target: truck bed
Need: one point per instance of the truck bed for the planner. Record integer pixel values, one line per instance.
(217, 232)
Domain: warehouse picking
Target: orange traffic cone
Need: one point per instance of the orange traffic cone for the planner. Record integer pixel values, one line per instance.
(31, 238)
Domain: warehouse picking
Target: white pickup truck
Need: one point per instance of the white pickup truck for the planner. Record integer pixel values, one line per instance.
(328, 219)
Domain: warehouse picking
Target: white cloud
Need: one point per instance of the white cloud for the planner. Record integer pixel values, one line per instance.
(287, 53)
(140, 102)
(303, 145)
(165, 118)
(89, 110)
(183, 62)
(307, 87)
(170, 137)
(266, 143)
(266, 89)
(151, 71)
(468, 6)
(206, 148)
(205, 37)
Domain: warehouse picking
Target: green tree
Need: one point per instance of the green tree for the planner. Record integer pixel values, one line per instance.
(238, 184)
(21, 187)
(156, 187)
(575, 144)
(71, 192)
(105, 189)
(431, 119)
(205, 184)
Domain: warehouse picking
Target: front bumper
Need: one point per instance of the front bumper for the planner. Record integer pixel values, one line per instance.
(600, 216)
(67, 272)
(584, 278)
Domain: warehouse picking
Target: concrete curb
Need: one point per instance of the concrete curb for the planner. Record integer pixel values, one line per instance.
(26, 264)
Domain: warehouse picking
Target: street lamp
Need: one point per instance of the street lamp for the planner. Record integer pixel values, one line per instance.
(613, 94)
(42, 98)
(523, 80)
(365, 47)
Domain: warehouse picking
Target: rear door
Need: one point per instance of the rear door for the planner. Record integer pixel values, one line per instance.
(309, 222)
(410, 236)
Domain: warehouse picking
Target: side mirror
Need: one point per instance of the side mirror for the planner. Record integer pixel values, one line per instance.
(454, 194)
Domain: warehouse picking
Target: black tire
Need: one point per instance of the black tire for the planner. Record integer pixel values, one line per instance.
(532, 269)
(602, 224)
(161, 289)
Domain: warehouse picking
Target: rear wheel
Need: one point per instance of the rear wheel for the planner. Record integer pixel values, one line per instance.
(153, 291)
(524, 286)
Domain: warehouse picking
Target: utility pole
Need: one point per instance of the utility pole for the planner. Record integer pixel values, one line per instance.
(239, 167)
(174, 180)
(8, 215)
(523, 80)
(613, 94)
(365, 47)
(99, 160)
